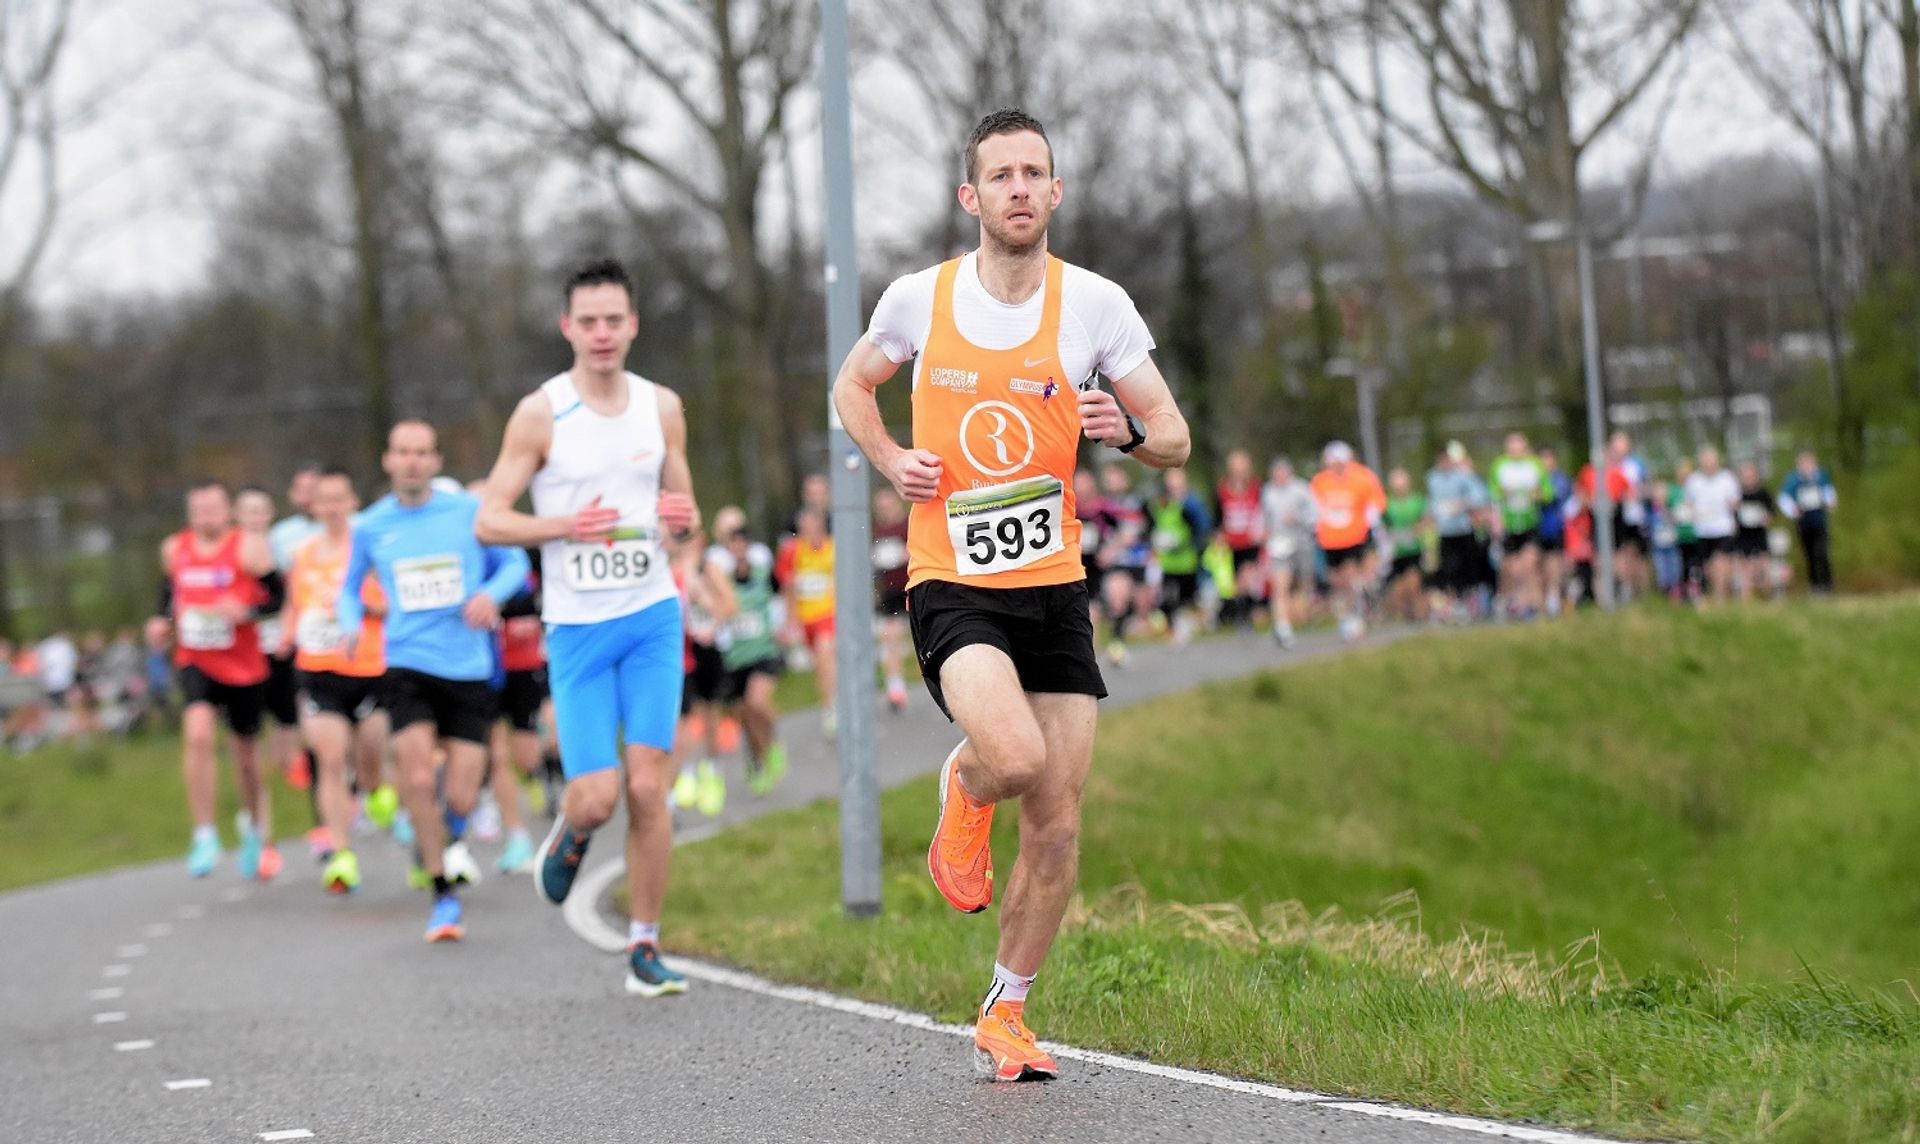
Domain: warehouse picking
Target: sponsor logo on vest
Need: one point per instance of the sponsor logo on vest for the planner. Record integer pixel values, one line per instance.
(1022, 385)
(1003, 430)
(960, 380)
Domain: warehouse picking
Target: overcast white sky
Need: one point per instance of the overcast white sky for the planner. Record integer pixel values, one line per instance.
(147, 179)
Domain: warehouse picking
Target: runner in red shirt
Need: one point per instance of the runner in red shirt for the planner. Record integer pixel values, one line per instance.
(1243, 528)
(213, 594)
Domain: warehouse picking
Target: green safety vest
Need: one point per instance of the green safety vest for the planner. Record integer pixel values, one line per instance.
(1173, 539)
(750, 632)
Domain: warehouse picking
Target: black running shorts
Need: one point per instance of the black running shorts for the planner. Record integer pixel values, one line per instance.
(283, 692)
(1045, 630)
(458, 708)
(1513, 542)
(1339, 556)
(243, 704)
(520, 701)
(348, 696)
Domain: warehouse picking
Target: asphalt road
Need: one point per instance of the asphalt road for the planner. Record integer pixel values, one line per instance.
(292, 1012)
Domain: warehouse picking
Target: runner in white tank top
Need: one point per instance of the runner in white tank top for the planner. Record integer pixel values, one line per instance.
(611, 462)
(604, 453)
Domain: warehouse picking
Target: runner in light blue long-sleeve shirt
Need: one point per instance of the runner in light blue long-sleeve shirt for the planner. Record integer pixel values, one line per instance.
(444, 590)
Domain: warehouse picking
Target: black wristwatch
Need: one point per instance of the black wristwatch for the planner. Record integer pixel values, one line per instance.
(1139, 437)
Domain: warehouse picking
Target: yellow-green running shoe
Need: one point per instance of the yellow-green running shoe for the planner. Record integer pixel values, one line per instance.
(686, 790)
(772, 769)
(711, 788)
(381, 805)
(342, 873)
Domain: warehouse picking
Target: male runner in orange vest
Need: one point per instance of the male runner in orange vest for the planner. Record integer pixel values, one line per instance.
(1009, 341)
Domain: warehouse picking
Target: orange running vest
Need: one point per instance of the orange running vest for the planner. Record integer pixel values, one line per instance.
(1006, 427)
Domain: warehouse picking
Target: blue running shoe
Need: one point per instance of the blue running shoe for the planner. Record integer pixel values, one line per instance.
(560, 857)
(203, 856)
(402, 828)
(248, 861)
(445, 922)
(648, 976)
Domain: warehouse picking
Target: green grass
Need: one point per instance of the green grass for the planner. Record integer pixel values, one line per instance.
(1692, 835)
(73, 808)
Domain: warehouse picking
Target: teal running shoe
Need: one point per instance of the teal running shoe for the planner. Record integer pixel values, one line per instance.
(248, 861)
(560, 857)
(203, 855)
(403, 828)
(517, 858)
(648, 976)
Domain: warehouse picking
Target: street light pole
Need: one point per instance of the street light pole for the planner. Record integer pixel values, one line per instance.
(852, 562)
(1596, 424)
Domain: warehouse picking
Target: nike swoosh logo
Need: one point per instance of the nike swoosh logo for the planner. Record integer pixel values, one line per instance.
(1031, 362)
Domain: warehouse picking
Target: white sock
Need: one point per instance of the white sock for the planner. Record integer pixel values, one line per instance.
(205, 833)
(1007, 986)
(638, 932)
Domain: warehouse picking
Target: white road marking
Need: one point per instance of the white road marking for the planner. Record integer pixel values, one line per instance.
(196, 1082)
(233, 894)
(134, 950)
(188, 913)
(287, 1134)
(131, 1046)
(159, 929)
(116, 971)
(584, 919)
(113, 1018)
(1464, 1123)
(110, 993)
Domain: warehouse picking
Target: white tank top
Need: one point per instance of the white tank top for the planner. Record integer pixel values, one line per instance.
(617, 459)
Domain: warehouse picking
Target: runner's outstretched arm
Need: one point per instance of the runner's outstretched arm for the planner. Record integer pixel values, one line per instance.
(678, 511)
(1144, 394)
(529, 433)
(914, 473)
(348, 607)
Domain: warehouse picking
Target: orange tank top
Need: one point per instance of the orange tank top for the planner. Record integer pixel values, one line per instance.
(313, 586)
(1006, 427)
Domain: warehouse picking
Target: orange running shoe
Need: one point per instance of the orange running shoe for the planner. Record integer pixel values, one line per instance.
(270, 862)
(726, 737)
(298, 776)
(961, 856)
(1006, 1046)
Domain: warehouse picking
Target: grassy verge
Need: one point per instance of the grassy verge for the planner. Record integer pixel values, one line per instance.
(1693, 832)
(73, 808)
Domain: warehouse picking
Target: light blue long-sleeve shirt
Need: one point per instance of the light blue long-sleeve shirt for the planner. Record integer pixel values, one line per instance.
(430, 565)
(1452, 496)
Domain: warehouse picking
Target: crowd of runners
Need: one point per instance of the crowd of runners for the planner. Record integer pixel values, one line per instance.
(1512, 539)
(442, 663)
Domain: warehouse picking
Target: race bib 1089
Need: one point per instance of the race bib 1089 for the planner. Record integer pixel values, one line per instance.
(1003, 527)
(623, 560)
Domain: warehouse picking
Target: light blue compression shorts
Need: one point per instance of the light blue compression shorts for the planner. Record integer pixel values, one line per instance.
(615, 680)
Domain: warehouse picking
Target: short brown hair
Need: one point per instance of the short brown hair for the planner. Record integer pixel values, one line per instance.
(1006, 121)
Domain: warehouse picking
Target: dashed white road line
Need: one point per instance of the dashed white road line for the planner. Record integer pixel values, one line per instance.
(113, 1018)
(116, 971)
(584, 919)
(188, 913)
(195, 1082)
(158, 929)
(130, 951)
(233, 894)
(131, 1046)
(110, 993)
(287, 1134)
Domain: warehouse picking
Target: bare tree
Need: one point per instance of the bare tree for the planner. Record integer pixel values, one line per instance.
(1516, 93)
(34, 35)
(685, 109)
(33, 40)
(339, 46)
